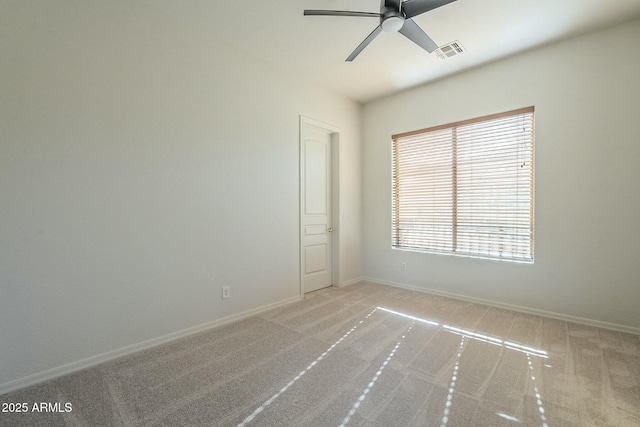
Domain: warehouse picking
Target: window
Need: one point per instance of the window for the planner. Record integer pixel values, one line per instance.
(466, 188)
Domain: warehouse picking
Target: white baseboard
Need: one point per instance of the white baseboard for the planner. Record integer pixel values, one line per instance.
(144, 345)
(528, 310)
(351, 282)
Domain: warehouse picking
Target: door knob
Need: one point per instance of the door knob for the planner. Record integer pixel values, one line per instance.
(330, 229)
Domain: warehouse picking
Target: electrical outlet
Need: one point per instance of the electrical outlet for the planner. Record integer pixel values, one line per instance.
(404, 266)
(226, 292)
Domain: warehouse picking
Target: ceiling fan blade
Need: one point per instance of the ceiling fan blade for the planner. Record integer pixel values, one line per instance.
(364, 44)
(340, 13)
(413, 8)
(414, 33)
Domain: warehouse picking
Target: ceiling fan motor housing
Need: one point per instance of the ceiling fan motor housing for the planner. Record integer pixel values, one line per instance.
(391, 20)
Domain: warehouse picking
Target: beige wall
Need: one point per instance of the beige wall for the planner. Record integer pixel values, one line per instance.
(144, 164)
(586, 92)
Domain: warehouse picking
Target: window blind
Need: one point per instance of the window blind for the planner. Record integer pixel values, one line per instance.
(466, 188)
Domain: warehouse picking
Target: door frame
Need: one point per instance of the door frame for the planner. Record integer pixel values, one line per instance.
(334, 133)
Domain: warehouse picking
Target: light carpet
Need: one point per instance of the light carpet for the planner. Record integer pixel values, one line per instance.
(365, 355)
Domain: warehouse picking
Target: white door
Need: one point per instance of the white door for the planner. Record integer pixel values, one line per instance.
(316, 239)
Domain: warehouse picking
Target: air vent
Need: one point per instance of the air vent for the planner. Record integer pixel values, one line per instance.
(449, 50)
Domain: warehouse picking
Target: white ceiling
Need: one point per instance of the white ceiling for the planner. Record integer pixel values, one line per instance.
(315, 47)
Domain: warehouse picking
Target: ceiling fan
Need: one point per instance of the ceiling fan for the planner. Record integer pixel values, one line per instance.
(395, 16)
